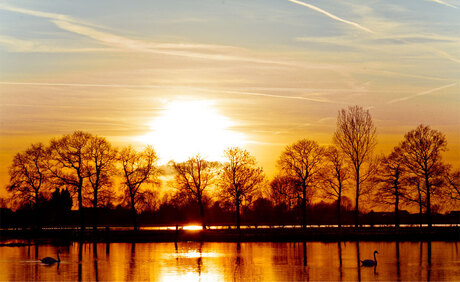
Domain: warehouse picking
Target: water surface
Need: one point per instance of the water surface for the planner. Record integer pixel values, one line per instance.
(193, 261)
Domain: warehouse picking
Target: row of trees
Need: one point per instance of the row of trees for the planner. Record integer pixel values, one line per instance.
(89, 167)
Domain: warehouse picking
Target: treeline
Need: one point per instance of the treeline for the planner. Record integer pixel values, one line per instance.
(102, 180)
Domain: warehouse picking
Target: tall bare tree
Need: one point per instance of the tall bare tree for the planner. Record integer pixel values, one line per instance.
(356, 137)
(240, 177)
(334, 177)
(284, 190)
(453, 181)
(28, 176)
(67, 160)
(421, 153)
(138, 169)
(302, 161)
(193, 177)
(392, 181)
(100, 166)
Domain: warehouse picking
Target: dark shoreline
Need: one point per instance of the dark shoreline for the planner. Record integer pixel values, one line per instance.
(332, 234)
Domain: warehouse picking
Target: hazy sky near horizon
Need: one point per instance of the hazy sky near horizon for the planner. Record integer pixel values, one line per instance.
(260, 74)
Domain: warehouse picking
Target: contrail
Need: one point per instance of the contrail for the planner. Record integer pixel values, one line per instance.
(334, 17)
(423, 93)
(216, 91)
(444, 3)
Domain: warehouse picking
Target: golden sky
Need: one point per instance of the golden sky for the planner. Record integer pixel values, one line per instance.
(197, 76)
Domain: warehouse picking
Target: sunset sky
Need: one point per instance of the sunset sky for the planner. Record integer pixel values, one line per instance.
(198, 76)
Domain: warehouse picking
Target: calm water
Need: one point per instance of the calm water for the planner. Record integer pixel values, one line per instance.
(190, 261)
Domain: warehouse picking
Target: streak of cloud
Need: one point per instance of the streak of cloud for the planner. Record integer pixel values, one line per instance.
(332, 16)
(146, 86)
(113, 41)
(444, 3)
(423, 93)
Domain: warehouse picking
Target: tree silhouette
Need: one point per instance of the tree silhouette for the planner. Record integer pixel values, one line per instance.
(392, 181)
(240, 178)
(421, 153)
(100, 166)
(138, 169)
(28, 176)
(302, 161)
(334, 177)
(67, 160)
(356, 137)
(453, 180)
(284, 190)
(193, 177)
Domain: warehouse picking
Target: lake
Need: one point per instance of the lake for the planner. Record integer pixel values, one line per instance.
(194, 261)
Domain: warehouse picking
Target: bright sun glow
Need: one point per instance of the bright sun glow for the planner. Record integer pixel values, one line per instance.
(187, 128)
(193, 227)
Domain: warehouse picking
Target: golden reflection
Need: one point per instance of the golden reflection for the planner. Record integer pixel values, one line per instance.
(194, 261)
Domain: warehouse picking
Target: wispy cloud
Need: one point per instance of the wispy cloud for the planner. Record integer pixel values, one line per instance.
(423, 93)
(19, 45)
(332, 16)
(117, 42)
(444, 3)
(147, 86)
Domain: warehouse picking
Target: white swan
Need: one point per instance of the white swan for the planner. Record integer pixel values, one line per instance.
(369, 262)
(50, 260)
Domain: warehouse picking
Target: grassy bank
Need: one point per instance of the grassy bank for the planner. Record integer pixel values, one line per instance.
(247, 235)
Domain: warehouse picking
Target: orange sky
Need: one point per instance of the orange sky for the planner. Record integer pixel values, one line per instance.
(259, 75)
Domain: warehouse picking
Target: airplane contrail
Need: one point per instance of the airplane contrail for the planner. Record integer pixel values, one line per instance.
(334, 17)
(444, 3)
(218, 91)
(423, 93)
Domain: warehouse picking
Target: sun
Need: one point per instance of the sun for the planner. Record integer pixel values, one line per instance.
(187, 128)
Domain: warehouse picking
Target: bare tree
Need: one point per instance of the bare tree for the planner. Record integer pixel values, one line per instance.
(240, 177)
(453, 180)
(421, 153)
(100, 166)
(302, 161)
(356, 137)
(334, 177)
(284, 190)
(66, 164)
(392, 181)
(193, 177)
(138, 169)
(28, 176)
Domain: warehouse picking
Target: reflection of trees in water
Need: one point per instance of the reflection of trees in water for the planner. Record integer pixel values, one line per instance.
(339, 245)
(132, 263)
(428, 274)
(80, 256)
(398, 266)
(96, 273)
(237, 262)
(358, 260)
(200, 259)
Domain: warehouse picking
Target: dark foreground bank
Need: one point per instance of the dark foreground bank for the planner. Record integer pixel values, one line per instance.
(232, 235)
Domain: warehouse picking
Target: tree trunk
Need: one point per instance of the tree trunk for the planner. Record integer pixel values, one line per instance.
(80, 207)
(95, 215)
(357, 199)
(238, 213)
(397, 207)
(339, 200)
(134, 214)
(238, 222)
(304, 206)
(420, 206)
(203, 223)
(428, 201)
